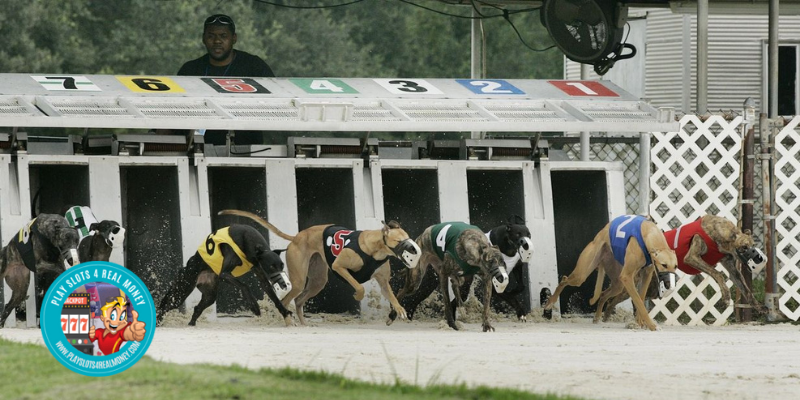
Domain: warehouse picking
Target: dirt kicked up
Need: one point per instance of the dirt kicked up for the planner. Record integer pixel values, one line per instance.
(571, 356)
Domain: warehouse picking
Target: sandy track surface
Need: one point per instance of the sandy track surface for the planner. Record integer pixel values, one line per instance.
(570, 356)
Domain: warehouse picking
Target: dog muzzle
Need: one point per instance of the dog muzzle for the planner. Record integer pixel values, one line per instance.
(525, 249)
(666, 284)
(754, 258)
(409, 252)
(280, 282)
(499, 279)
(116, 237)
(70, 257)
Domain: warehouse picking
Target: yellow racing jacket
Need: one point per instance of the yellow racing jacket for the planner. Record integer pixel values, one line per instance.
(212, 255)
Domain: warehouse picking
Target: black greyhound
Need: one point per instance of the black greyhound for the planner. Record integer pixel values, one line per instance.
(226, 254)
(108, 235)
(513, 240)
(97, 239)
(47, 246)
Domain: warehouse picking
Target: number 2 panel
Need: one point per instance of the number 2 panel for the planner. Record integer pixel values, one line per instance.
(489, 86)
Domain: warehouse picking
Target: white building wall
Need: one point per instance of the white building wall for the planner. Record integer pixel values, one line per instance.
(736, 62)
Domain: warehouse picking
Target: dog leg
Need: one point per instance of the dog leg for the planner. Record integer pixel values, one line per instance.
(613, 291)
(348, 258)
(449, 312)
(428, 283)
(646, 276)
(644, 284)
(487, 302)
(209, 288)
(181, 287)
(248, 295)
(297, 262)
(382, 275)
(694, 259)
(732, 265)
(516, 285)
(587, 262)
(18, 279)
(317, 279)
(461, 289)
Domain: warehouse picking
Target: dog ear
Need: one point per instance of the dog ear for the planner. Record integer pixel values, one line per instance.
(278, 251)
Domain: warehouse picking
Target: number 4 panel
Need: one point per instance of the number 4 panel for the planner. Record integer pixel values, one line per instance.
(323, 86)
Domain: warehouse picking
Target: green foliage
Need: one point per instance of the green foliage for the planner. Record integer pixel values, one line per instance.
(30, 372)
(374, 38)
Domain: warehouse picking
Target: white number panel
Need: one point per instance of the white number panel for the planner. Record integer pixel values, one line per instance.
(65, 82)
(408, 86)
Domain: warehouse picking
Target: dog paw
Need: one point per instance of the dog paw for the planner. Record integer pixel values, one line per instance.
(401, 312)
(523, 318)
(488, 328)
(359, 295)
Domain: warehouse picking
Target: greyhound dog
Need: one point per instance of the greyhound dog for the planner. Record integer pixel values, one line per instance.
(455, 251)
(356, 256)
(47, 246)
(700, 245)
(513, 241)
(226, 254)
(97, 239)
(633, 242)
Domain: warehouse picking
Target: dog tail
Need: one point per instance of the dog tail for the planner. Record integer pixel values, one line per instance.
(258, 219)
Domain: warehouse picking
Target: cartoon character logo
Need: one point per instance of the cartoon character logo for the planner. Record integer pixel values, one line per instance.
(117, 330)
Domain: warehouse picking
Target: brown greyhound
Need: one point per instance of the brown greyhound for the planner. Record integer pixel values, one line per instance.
(631, 241)
(700, 245)
(356, 256)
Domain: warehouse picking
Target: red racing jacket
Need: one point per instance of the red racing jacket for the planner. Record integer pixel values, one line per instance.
(681, 239)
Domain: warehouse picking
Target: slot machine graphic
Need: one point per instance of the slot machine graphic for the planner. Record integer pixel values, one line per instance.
(75, 320)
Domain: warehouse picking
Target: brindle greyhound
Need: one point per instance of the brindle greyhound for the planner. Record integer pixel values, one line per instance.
(700, 245)
(47, 246)
(513, 241)
(356, 256)
(455, 250)
(631, 241)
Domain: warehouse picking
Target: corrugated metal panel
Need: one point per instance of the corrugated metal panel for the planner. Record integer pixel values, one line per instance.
(664, 69)
(736, 65)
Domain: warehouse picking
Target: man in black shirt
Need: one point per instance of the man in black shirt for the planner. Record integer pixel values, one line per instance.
(219, 36)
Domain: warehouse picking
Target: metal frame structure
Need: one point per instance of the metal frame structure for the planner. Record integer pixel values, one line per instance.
(446, 105)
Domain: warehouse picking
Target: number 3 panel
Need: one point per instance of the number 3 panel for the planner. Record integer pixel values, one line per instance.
(408, 86)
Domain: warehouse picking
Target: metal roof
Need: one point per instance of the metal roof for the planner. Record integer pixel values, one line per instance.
(324, 104)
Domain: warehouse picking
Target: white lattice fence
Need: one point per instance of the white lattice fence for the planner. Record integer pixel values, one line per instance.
(695, 172)
(787, 226)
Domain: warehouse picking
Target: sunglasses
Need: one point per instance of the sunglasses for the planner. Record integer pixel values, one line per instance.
(222, 19)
